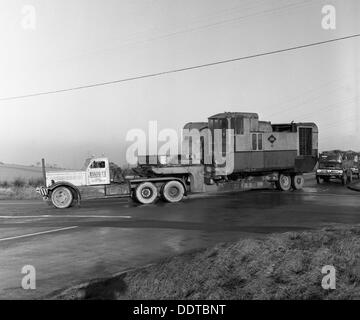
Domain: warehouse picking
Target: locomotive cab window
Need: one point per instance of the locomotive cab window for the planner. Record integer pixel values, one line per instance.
(237, 124)
(257, 141)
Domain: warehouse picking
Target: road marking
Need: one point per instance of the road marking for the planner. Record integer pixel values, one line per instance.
(25, 217)
(3, 203)
(37, 233)
(64, 216)
(309, 193)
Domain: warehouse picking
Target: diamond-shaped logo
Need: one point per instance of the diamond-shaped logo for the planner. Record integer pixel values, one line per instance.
(272, 139)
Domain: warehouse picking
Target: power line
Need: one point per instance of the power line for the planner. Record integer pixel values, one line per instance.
(200, 66)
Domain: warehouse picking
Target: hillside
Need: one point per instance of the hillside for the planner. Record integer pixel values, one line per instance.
(10, 172)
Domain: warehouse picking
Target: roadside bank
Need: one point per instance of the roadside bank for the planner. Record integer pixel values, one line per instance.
(281, 266)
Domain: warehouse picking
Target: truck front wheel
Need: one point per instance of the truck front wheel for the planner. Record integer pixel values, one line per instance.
(173, 191)
(146, 193)
(284, 182)
(297, 182)
(62, 197)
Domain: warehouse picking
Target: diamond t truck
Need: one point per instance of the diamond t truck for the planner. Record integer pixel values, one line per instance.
(231, 151)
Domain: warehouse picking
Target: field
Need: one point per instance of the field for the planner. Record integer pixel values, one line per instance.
(19, 182)
(281, 266)
(11, 172)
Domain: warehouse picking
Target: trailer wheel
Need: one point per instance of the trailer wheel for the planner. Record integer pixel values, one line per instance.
(284, 182)
(146, 193)
(173, 191)
(62, 197)
(297, 182)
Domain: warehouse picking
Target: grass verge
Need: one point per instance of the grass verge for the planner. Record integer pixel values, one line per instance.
(18, 193)
(20, 189)
(281, 266)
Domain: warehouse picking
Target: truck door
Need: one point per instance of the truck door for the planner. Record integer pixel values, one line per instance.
(98, 172)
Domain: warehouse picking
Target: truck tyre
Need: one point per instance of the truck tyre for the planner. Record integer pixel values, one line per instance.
(173, 191)
(297, 182)
(146, 193)
(318, 181)
(133, 196)
(62, 197)
(284, 182)
(344, 179)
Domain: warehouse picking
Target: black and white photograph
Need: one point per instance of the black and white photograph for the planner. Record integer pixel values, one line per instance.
(193, 151)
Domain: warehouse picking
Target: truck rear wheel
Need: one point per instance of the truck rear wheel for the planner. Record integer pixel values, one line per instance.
(62, 197)
(297, 182)
(284, 182)
(173, 191)
(146, 193)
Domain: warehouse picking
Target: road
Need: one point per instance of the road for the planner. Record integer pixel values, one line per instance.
(104, 237)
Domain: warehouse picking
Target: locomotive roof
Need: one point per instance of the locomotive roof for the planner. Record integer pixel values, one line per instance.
(234, 115)
(196, 125)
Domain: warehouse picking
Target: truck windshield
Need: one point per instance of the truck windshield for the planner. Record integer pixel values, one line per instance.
(86, 164)
(330, 161)
(333, 158)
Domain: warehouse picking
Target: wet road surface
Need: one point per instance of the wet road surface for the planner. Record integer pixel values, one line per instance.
(103, 237)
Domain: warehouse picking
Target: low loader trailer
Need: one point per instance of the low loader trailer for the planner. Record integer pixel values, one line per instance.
(256, 155)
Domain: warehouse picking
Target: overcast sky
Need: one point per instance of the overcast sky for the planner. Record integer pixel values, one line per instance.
(83, 42)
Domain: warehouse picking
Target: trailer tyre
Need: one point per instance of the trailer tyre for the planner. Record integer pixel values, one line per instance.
(62, 197)
(146, 193)
(284, 183)
(173, 191)
(297, 182)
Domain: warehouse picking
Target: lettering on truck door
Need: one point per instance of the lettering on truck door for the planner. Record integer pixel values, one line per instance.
(98, 173)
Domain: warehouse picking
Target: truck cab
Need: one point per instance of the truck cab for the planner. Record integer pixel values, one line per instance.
(96, 171)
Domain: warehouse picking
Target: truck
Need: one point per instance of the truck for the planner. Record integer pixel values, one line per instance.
(232, 151)
(355, 165)
(337, 164)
